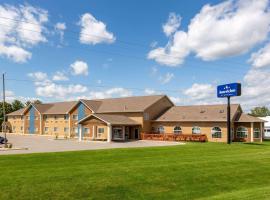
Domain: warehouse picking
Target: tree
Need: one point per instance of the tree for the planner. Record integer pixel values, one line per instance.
(8, 109)
(16, 105)
(33, 102)
(260, 112)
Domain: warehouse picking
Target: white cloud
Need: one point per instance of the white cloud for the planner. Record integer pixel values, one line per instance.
(112, 92)
(11, 96)
(149, 91)
(59, 91)
(261, 58)
(166, 78)
(200, 91)
(60, 27)
(15, 53)
(38, 76)
(227, 29)
(94, 31)
(79, 68)
(173, 53)
(22, 27)
(177, 100)
(60, 76)
(172, 24)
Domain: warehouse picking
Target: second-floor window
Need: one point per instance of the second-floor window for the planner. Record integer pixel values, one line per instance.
(75, 117)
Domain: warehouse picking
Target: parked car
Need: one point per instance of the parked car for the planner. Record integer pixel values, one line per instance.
(2, 140)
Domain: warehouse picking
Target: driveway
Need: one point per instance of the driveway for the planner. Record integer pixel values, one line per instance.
(38, 144)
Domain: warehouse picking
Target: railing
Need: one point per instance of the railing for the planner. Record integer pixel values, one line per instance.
(173, 137)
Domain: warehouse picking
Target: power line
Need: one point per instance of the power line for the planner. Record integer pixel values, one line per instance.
(135, 57)
(91, 35)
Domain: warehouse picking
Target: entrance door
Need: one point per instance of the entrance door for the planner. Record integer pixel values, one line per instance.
(136, 134)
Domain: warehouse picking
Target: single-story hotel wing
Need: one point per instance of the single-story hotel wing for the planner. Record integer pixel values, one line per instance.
(129, 117)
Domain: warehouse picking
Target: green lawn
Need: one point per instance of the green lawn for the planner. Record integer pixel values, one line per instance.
(191, 171)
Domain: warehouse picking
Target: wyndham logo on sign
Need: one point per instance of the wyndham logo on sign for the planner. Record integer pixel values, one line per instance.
(229, 90)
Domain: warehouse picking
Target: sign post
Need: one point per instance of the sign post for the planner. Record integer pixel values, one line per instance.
(229, 90)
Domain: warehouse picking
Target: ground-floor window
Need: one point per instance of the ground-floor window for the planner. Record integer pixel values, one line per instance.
(177, 130)
(46, 129)
(160, 129)
(196, 130)
(66, 129)
(267, 132)
(216, 132)
(242, 132)
(86, 130)
(256, 133)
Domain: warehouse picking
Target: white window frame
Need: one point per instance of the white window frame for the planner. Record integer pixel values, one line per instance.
(177, 130)
(75, 117)
(216, 133)
(196, 130)
(161, 129)
(238, 132)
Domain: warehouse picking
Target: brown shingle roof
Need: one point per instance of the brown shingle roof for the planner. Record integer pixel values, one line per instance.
(112, 119)
(248, 118)
(198, 113)
(127, 104)
(92, 104)
(17, 112)
(54, 108)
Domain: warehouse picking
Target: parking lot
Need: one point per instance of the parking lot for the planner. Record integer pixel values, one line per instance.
(38, 144)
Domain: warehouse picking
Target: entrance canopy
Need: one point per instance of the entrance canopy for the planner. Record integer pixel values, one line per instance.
(111, 119)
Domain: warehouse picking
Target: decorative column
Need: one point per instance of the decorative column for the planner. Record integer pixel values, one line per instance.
(252, 131)
(109, 133)
(93, 133)
(80, 132)
(40, 124)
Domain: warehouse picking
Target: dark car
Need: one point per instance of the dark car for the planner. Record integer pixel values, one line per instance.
(2, 140)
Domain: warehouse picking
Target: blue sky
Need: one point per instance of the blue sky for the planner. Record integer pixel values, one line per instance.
(130, 51)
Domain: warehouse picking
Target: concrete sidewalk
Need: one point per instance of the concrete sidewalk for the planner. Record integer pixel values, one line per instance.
(38, 144)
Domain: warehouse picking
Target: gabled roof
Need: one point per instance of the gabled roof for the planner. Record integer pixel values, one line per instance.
(17, 112)
(127, 104)
(197, 113)
(55, 108)
(92, 104)
(111, 119)
(248, 118)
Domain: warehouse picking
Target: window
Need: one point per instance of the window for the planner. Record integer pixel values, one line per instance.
(177, 130)
(55, 129)
(21, 128)
(27, 117)
(256, 133)
(14, 128)
(196, 130)
(45, 117)
(242, 132)
(216, 132)
(86, 130)
(55, 117)
(160, 129)
(36, 129)
(46, 129)
(100, 130)
(36, 117)
(21, 117)
(66, 117)
(66, 129)
(75, 117)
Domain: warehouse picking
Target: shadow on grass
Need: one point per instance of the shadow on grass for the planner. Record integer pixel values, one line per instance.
(256, 144)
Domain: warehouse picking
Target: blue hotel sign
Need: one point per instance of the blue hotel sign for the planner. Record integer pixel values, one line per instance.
(229, 90)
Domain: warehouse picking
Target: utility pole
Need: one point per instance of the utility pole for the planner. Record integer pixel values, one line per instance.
(4, 111)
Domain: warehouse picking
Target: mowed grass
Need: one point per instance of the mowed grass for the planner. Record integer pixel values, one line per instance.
(191, 171)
